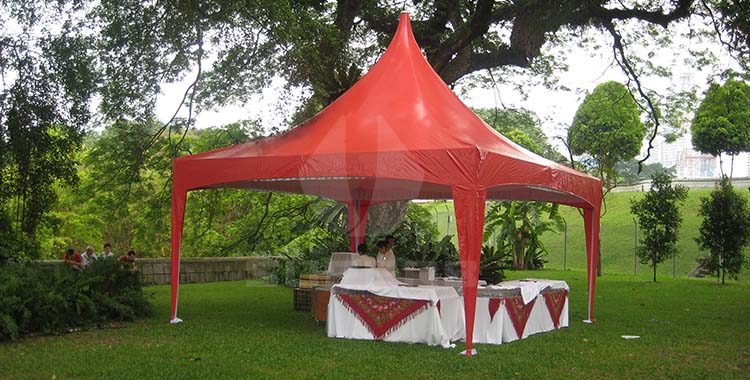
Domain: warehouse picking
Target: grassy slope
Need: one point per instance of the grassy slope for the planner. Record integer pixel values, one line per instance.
(617, 237)
(690, 329)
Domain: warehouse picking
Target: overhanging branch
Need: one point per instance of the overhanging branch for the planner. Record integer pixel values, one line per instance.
(624, 63)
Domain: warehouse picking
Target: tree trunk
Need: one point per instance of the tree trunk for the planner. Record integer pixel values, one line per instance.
(731, 168)
(517, 256)
(383, 218)
(653, 264)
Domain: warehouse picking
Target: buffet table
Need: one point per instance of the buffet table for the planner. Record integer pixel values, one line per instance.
(371, 304)
(516, 309)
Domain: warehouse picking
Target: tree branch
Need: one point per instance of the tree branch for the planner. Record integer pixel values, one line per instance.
(475, 27)
(624, 63)
(681, 10)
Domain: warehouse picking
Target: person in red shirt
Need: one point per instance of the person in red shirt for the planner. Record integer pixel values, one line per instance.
(130, 258)
(73, 259)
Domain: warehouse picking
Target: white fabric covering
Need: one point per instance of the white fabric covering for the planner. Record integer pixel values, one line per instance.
(501, 329)
(381, 282)
(426, 327)
(431, 326)
(435, 327)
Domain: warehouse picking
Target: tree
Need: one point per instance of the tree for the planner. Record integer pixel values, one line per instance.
(325, 46)
(522, 127)
(659, 217)
(724, 231)
(607, 127)
(722, 122)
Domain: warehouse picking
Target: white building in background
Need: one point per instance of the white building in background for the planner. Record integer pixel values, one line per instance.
(689, 163)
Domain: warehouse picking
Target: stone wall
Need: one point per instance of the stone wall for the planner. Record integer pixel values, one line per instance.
(199, 269)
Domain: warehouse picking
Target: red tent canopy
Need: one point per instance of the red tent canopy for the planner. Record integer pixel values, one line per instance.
(399, 133)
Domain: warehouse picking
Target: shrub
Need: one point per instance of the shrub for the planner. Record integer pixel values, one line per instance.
(311, 259)
(47, 301)
(723, 231)
(493, 263)
(659, 216)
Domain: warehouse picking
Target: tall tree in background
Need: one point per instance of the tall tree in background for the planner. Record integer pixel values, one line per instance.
(723, 231)
(607, 127)
(722, 122)
(659, 216)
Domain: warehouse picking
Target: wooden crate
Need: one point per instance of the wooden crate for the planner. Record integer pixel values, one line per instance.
(302, 299)
(309, 281)
(320, 297)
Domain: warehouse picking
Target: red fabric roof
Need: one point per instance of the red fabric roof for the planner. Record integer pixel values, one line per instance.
(398, 133)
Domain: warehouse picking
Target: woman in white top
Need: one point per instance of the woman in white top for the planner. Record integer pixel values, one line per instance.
(386, 259)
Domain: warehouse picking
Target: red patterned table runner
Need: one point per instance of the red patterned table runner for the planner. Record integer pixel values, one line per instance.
(519, 313)
(382, 315)
(494, 304)
(555, 300)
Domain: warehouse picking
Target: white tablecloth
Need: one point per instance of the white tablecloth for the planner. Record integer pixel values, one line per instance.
(430, 326)
(446, 325)
(500, 329)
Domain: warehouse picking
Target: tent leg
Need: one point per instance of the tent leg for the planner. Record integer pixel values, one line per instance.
(178, 215)
(357, 214)
(591, 223)
(469, 209)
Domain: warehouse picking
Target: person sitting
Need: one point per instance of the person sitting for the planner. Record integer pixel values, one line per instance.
(130, 258)
(386, 259)
(107, 252)
(89, 256)
(363, 260)
(73, 259)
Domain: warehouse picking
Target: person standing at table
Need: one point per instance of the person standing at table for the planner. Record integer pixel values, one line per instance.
(364, 260)
(385, 258)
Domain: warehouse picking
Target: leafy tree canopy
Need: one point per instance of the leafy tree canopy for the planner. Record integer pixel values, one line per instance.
(522, 127)
(607, 127)
(722, 121)
(124, 50)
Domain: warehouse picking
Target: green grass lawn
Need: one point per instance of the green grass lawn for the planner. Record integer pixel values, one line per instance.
(690, 329)
(617, 234)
